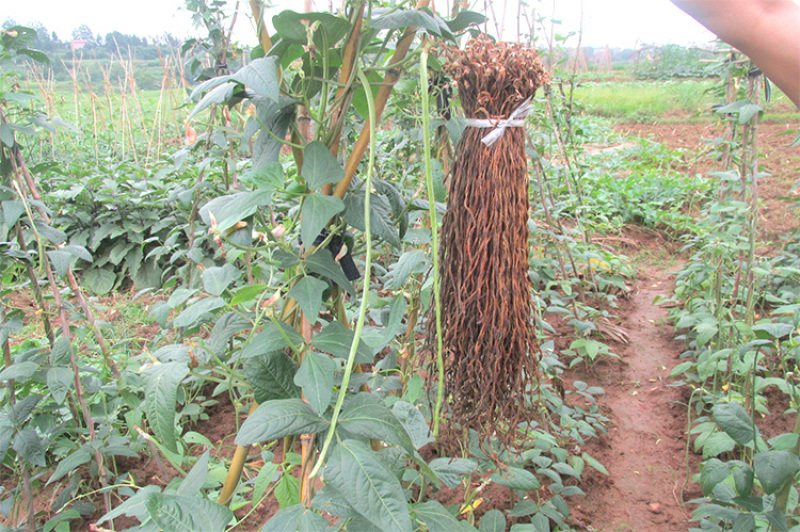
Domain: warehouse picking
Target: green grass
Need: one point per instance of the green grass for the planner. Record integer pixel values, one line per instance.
(643, 101)
(665, 101)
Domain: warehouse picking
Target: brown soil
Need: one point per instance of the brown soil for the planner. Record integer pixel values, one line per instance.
(645, 449)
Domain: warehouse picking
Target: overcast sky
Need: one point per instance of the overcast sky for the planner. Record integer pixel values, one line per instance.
(618, 23)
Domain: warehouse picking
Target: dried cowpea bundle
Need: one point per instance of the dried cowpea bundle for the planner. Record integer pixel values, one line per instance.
(489, 344)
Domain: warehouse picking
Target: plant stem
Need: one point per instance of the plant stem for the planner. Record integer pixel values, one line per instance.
(365, 289)
(426, 139)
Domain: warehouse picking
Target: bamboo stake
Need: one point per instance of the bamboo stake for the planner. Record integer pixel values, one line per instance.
(345, 83)
(392, 75)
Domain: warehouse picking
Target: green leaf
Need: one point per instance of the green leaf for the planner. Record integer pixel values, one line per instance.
(180, 513)
(320, 167)
(774, 468)
(381, 223)
(717, 443)
(287, 519)
(219, 94)
(265, 476)
(365, 416)
(714, 472)
(594, 463)
(407, 18)
(516, 478)
(23, 408)
(751, 503)
(52, 234)
(524, 508)
(295, 518)
(777, 519)
(61, 261)
(232, 209)
(705, 332)
(743, 480)
(772, 330)
(132, 507)
(734, 420)
(208, 85)
(464, 20)
(292, 26)
(316, 378)
(30, 447)
(322, 263)
(192, 314)
(368, 485)
(245, 294)
(744, 522)
(225, 328)
(287, 490)
(747, 112)
(312, 522)
(12, 210)
(414, 423)
(393, 320)
(269, 176)
(493, 521)
(308, 293)
(36, 55)
(19, 371)
(7, 134)
(60, 381)
(180, 296)
(61, 353)
(450, 470)
(217, 279)
(272, 376)
(261, 75)
(329, 500)
(272, 338)
(435, 517)
(409, 263)
(160, 396)
(71, 463)
(317, 211)
(280, 418)
(336, 339)
(190, 486)
(99, 280)
(6, 433)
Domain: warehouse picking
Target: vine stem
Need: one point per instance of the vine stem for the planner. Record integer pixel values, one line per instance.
(426, 141)
(362, 313)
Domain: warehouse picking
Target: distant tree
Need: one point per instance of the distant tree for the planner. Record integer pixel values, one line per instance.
(9, 22)
(124, 41)
(45, 40)
(83, 32)
(170, 40)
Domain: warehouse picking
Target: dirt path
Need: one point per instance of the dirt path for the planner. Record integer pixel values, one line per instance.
(644, 451)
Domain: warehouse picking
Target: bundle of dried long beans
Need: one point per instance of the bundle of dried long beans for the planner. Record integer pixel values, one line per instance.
(489, 343)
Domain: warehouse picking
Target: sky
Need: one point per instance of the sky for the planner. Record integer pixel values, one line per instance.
(617, 23)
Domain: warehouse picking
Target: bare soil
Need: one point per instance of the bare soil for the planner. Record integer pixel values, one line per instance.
(645, 449)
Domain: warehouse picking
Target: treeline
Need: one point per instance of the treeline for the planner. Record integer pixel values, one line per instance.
(99, 59)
